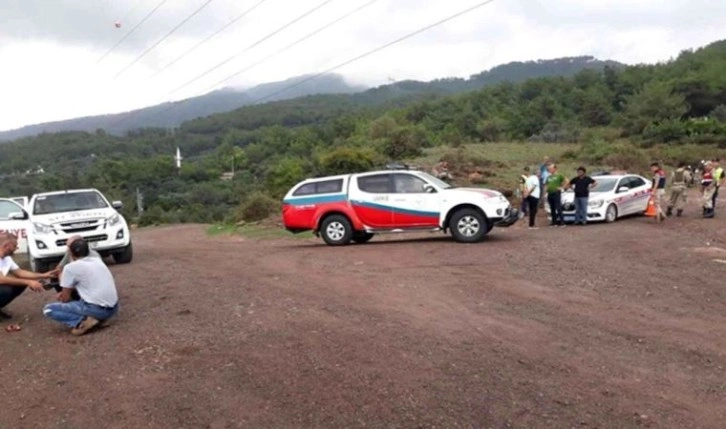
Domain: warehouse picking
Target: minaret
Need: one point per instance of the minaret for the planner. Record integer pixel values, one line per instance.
(178, 158)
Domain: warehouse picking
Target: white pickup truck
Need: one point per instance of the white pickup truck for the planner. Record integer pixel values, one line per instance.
(49, 219)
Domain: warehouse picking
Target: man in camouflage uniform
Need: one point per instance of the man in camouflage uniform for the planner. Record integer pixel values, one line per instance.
(708, 185)
(679, 190)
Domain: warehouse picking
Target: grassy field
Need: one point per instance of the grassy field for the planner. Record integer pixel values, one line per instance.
(500, 163)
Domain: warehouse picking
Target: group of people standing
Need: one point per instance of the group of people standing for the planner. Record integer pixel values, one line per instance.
(548, 182)
(711, 181)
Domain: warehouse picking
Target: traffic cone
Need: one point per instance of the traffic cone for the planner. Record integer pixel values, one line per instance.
(651, 211)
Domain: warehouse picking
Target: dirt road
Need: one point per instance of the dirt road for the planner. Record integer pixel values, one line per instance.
(605, 326)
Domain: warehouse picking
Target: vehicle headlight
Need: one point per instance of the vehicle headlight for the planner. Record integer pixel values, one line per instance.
(596, 204)
(114, 220)
(41, 228)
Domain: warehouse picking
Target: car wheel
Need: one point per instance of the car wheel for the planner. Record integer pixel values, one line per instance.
(336, 230)
(469, 226)
(611, 214)
(125, 256)
(362, 237)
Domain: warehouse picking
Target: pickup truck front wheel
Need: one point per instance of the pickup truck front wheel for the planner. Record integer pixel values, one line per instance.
(336, 230)
(125, 256)
(469, 226)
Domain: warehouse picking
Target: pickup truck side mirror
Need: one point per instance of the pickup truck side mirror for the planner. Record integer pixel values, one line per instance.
(19, 215)
(623, 189)
(118, 205)
(429, 189)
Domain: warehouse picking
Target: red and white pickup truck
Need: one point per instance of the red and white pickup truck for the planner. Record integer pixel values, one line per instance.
(355, 207)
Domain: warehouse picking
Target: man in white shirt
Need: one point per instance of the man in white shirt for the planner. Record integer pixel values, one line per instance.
(532, 193)
(13, 280)
(93, 281)
(58, 271)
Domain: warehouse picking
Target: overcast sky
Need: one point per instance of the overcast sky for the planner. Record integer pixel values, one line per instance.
(50, 49)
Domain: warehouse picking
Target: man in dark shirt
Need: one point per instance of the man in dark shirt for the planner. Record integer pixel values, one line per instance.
(582, 185)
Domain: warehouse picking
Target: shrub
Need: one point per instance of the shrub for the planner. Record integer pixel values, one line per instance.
(347, 160)
(256, 207)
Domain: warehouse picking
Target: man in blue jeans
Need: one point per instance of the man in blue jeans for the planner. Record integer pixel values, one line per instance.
(94, 282)
(582, 184)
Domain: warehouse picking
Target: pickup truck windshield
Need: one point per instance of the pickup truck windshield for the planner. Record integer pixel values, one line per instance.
(437, 182)
(71, 202)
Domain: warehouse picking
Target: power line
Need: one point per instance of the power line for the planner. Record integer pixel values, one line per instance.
(352, 60)
(173, 30)
(297, 42)
(378, 49)
(128, 12)
(148, 15)
(173, 106)
(237, 18)
(284, 27)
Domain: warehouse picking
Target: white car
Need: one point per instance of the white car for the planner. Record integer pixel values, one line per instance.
(13, 219)
(612, 198)
(43, 228)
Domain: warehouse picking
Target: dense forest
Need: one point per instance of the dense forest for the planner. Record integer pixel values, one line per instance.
(613, 114)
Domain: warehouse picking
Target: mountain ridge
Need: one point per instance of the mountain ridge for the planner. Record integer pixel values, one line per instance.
(230, 99)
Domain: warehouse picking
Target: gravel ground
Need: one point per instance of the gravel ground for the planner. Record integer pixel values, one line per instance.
(604, 326)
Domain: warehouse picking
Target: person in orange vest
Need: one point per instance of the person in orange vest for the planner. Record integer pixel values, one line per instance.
(658, 190)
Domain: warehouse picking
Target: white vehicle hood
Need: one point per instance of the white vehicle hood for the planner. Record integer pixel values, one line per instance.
(569, 197)
(79, 216)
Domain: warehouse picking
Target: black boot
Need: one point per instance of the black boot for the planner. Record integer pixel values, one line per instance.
(669, 212)
(679, 213)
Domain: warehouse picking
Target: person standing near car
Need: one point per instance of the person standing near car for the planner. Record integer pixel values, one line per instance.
(532, 195)
(555, 184)
(718, 180)
(708, 188)
(658, 190)
(582, 185)
(524, 206)
(679, 190)
(543, 174)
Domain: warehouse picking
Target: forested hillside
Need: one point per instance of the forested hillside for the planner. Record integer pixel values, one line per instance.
(620, 117)
(173, 114)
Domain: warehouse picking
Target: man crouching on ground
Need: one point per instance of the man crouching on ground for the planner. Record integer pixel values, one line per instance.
(94, 282)
(13, 280)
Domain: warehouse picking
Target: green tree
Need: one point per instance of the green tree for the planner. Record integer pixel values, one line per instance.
(655, 103)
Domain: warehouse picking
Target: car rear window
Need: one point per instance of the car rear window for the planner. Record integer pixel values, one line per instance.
(323, 187)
